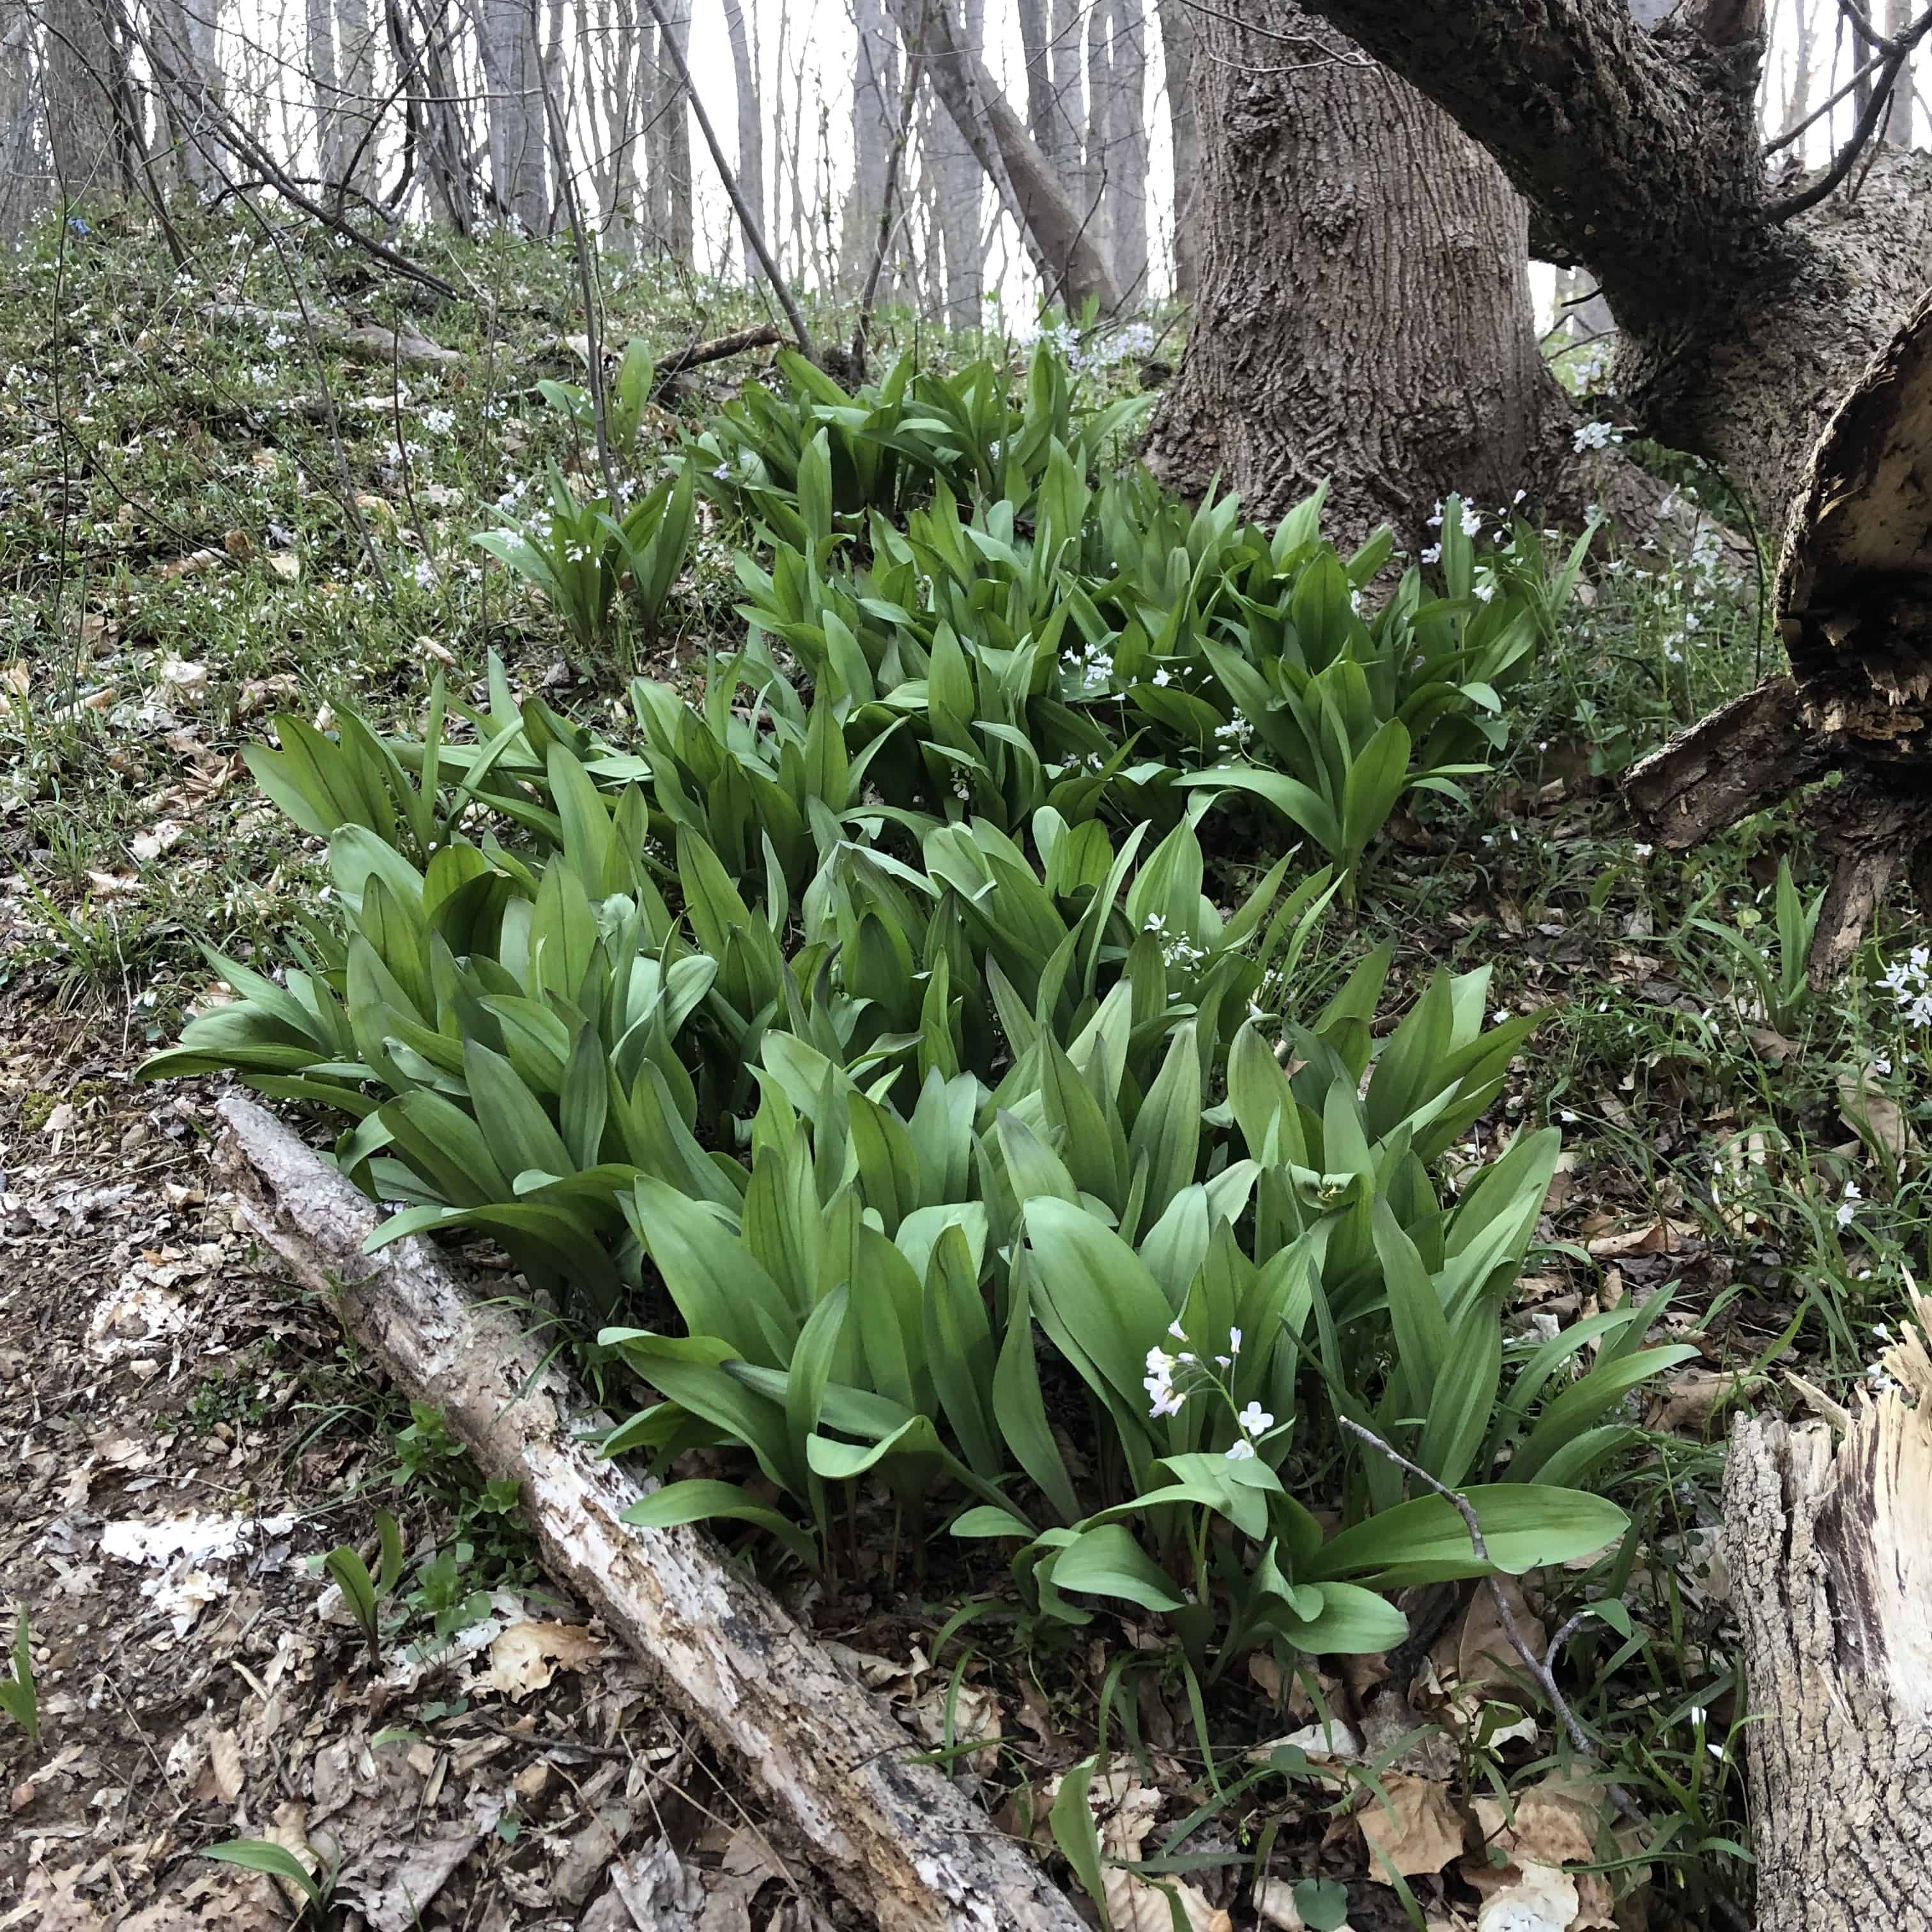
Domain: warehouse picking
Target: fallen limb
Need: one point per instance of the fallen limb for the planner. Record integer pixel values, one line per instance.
(1830, 1557)
(760, 335)
(896, 1838)
(368, 341)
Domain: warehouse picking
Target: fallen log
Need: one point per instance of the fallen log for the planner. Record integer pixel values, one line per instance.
(761, 335)
(896, 1838)
(367, 341)
(1854, 604)
(1830, 1554)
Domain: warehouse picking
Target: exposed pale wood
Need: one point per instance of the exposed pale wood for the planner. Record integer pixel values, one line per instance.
(1829, 1549)
(759, 335)
(896, 1838)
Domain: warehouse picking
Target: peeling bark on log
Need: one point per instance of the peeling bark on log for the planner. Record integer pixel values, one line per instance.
(896, 1839)
(1830, 1554)
(1854, 608)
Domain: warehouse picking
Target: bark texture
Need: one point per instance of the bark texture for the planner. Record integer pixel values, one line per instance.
(1743, 322)
(1830, 1555)
(1854, 607)
(1363, 310)
(897, 1839)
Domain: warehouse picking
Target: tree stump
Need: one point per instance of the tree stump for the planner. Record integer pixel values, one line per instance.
(1829, 1547)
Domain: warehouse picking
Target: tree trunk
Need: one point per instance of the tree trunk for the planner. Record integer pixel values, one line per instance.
(750, 125)
(82, 67)
(1744, 313)
(957, 182)
(1176, 54)
(1830, 1556)
(875, 100)
(1127, 150)
(680, 229)
(1855, 606)
(1897, 127)
(1364, 312)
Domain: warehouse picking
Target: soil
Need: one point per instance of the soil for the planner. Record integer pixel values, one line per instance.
(187, 1436)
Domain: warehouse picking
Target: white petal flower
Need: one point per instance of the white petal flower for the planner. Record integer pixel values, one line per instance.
(1241, 1451)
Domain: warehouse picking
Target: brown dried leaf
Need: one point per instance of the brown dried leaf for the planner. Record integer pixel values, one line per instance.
(1133, 1905)
(527, 1655)
(1417, 1832)
(1874, 1113)
(1485, 1657)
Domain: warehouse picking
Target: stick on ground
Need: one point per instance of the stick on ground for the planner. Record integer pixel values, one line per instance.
(896, 1838)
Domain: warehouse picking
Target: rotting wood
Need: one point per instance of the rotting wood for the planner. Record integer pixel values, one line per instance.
(896, 1838)
(1829, 1551)
(1854, 603)
(367, 341)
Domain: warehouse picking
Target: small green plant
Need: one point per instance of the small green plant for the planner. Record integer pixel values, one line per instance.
(18, 1697)
(365, 1595)
(1778, 976)
(274, 1861)
(580, 555)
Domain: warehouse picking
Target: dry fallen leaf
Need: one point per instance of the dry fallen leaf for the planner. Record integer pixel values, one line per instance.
(1661, 1237)
(1133, 1905)
(1416, 1833)
(149, 846)
(1540, 1898)
(286, 565)
(191, 565)
(527, 1656)
(1686, 1400)
(1874, 1113)
(1484, 1656)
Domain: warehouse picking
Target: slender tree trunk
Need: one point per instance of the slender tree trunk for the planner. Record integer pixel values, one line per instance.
(188, 32)
(1381, 336)
(1804, 60)
(677, 155)
(320, 51)
(1038, 80)
(1177, 53)
(875, 98)
(750, 124)
(23, 168)
(1127, 150)
(957, 182)
(82, 66)
(356, 39)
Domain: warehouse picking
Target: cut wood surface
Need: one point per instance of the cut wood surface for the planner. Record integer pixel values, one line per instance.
(896, 1838)
(1829, 1549)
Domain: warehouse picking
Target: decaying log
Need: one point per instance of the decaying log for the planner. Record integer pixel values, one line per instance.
(1854, 603)
(896, 1838)
(761, 335)
(1830, 1554)
(368, 342)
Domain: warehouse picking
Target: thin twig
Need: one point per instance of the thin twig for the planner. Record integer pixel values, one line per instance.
(1868, 124)
(1538, 1667)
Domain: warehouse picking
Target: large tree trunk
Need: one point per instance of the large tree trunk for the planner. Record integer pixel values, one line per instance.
(1830, 1557)
(1746, 310)
(1363, 313)
(82, 67)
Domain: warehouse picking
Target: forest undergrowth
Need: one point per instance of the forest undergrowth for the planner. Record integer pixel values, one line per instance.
(1075, 1067)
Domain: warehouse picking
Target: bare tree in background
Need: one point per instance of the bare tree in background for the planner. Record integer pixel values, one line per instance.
(1177, 52)
(1897, 127)
(875, 100)
(1804, 62)
(750, 123)
(958, 185)
(514, 113)
(83, 70)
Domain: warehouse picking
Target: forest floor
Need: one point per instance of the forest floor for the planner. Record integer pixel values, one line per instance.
(190, 1432)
